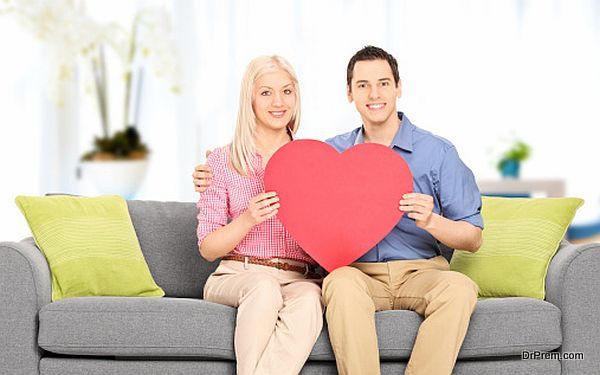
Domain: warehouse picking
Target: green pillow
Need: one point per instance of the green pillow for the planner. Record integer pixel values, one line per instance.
(90, 245)
(520, 238)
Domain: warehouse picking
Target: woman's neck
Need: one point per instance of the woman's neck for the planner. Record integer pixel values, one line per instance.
(268, 140)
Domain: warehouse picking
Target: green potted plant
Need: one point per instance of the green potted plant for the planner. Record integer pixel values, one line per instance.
(126, 144)
(118, 160)
(510, 162)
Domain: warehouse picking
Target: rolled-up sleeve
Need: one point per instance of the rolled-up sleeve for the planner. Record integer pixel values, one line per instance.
(213, 208)
(459, 195)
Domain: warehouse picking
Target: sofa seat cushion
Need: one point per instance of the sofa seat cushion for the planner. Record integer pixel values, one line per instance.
(137, 326)
(174, 327)
(498, 327)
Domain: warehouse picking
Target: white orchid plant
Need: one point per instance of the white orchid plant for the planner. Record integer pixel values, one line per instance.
(75, 39)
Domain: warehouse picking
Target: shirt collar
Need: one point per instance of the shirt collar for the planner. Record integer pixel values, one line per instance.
(403, 138)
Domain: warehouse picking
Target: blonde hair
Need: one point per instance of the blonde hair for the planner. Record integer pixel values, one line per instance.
(243, 147)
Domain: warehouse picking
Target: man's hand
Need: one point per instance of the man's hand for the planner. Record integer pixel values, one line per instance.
(202, 176)
(419, 207)
(454, 234)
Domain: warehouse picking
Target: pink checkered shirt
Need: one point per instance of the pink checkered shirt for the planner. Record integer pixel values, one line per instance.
(228, 196)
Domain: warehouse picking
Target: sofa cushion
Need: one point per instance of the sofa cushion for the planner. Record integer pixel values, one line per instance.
(130, 327)
(90, 245)
(137, 326)
(167, 235)
(498, 327)
(520, 238)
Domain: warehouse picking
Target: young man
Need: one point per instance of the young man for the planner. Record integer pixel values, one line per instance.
(405, 270)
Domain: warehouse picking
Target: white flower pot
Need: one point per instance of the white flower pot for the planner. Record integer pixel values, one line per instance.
(121, 177)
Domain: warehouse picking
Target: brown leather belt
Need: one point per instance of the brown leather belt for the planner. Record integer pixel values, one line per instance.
(306, 269)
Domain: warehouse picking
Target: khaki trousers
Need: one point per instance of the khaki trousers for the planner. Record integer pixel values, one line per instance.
(279, 317)
(444, 298)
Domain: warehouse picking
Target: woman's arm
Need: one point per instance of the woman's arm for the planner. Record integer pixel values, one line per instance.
(224, 239)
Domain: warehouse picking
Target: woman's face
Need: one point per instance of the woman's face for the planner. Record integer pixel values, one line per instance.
(274, 100)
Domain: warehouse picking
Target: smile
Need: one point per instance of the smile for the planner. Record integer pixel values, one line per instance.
(376, 106)
(277, 114)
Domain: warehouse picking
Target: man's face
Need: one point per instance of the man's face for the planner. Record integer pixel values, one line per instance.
(374, 92)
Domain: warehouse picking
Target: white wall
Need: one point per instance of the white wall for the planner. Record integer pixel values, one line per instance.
(474, 72)
(21, 125)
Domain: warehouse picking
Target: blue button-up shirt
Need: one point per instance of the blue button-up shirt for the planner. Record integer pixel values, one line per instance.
(437, 171)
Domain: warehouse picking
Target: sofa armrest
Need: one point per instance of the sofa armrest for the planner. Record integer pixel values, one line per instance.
(25, 286)
(573, 285)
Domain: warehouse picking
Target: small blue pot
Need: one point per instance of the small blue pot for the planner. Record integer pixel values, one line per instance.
(510, 168)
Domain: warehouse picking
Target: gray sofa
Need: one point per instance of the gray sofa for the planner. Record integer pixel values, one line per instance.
(182, 334)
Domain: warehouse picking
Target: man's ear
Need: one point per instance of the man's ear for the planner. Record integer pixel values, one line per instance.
(349, 94)
(399, 88)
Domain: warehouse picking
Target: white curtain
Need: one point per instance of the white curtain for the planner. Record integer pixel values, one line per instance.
(474, 72)
(22, 126)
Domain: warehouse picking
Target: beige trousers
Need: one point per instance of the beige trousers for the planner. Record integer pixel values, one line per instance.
(279, 317)
(444, 298)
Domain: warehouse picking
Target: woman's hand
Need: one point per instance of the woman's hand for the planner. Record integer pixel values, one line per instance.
(223, 240)
(262, 207)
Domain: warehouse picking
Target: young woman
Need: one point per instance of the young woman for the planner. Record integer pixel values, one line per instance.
(263, 272)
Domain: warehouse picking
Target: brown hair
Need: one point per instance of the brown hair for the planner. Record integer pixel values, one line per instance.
(372, 53)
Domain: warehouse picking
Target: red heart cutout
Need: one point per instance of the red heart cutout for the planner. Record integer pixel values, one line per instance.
(338, 206)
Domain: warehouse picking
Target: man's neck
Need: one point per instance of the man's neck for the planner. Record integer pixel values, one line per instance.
(381, 133)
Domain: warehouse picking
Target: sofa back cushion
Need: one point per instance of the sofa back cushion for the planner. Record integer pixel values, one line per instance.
(167, 235)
